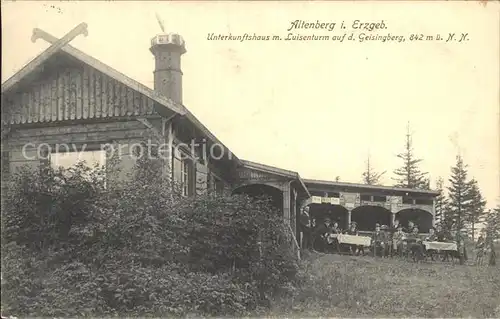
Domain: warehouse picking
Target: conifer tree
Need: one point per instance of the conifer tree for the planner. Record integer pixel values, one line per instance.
(459, 195)
(476, 205)
(370, 176)
(409, 174)
(441, 201)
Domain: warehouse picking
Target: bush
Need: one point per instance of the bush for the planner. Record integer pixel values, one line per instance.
(71, 247)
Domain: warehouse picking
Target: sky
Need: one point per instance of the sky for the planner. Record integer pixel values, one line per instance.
(316, 107)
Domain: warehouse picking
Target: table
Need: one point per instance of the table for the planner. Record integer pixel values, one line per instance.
(437, 245)
(354, 240)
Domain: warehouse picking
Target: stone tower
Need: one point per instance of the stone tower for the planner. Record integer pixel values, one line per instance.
(167, 50)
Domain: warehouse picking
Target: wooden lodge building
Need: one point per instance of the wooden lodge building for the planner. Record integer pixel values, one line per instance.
(65, 96)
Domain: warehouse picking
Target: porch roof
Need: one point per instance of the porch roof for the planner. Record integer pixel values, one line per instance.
(360, 186)
(277, 171)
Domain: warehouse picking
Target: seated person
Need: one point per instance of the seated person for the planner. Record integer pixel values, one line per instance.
(410, 227)
(335, 230)
(443, 235)
(378, 241)
(397, 241)
(388, 236)
(392, 230)
(321, 235)
(431, 237)
(353, 231)
(415, 245)
(395, 226)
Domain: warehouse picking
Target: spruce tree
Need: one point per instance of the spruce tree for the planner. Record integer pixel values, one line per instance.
(371, 177)
(409, 175)
(459, 195)
(476, 205)
(441, 201)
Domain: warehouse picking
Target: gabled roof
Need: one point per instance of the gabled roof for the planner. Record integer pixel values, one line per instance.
(96, 64)
(374, 187)
(114, 74)
(276, 171)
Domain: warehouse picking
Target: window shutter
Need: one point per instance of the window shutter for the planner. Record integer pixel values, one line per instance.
(201, 178)
(177, 167)
(191, 178)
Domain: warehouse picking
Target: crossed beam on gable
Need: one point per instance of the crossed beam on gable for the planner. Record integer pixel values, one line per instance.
(56, 45)
(40, 59)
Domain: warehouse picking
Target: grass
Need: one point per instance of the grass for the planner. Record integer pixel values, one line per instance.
(349, 286)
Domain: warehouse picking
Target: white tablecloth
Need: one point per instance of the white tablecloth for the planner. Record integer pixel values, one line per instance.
(436, 245)
(354, 240)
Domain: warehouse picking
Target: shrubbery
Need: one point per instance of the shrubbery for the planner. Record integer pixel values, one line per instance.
(72, 247)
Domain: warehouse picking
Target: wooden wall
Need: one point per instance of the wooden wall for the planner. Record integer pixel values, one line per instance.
(75, 104)
(73, 93)
(104, 132)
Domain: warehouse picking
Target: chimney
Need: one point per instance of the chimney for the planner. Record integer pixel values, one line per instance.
(167, 49)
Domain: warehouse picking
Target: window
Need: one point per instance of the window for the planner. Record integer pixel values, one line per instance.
(68, 159)
(88, 158)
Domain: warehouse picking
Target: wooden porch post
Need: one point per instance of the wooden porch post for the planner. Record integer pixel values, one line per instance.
(348, 218)
(286, 202)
